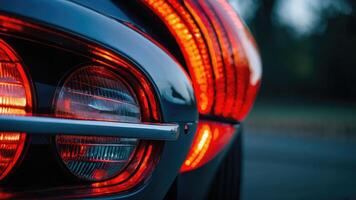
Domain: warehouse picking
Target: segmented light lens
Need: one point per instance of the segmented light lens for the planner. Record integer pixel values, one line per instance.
(182, 26)
(96, 93)
(221, 55)
(15, 99)
(223, 61)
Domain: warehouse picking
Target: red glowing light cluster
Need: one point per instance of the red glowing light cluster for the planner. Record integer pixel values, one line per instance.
(210, 139)
(224, 64)
(145, 155)
(15, 99)
(221, 55)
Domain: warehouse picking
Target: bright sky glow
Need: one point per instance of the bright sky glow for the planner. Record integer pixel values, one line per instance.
(303, 17)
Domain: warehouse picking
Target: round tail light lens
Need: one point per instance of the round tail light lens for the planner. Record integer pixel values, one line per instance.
(96, 93)
(15, 99)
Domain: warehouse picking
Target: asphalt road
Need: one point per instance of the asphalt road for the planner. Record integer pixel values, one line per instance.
(294, 165)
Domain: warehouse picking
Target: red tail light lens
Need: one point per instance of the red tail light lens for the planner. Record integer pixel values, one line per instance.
(111, 89)
(210, 139)
(247, 61)
(96, 93)
(220, 53)
(11, 147)
(15, 99)
(182, 26)
(223, 62)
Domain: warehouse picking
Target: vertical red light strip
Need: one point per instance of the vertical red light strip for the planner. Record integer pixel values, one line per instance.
(210, 31)
(234, 63)
(190, 38)
(217, 61)
(246, 57)
(228, 58)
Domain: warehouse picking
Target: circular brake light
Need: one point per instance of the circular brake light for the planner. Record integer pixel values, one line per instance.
(15, 99)
(96, 93)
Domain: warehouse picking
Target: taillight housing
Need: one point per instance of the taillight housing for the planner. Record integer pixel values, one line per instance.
(15, 99)
(103, 92)
(223, 62)
(97, 111)
(220, 53)
(86, 119)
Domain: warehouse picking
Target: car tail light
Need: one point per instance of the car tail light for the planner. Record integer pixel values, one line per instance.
(96, 93)
(220, 53)
(224, 64)
(210, 139)
(101, 93)
(105, 123)
(15, 99)
(190, 39)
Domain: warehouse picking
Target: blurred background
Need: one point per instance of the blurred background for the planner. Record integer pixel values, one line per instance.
(300, 138)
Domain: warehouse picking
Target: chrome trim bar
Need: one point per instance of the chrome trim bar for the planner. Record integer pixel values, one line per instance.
(54, 126)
